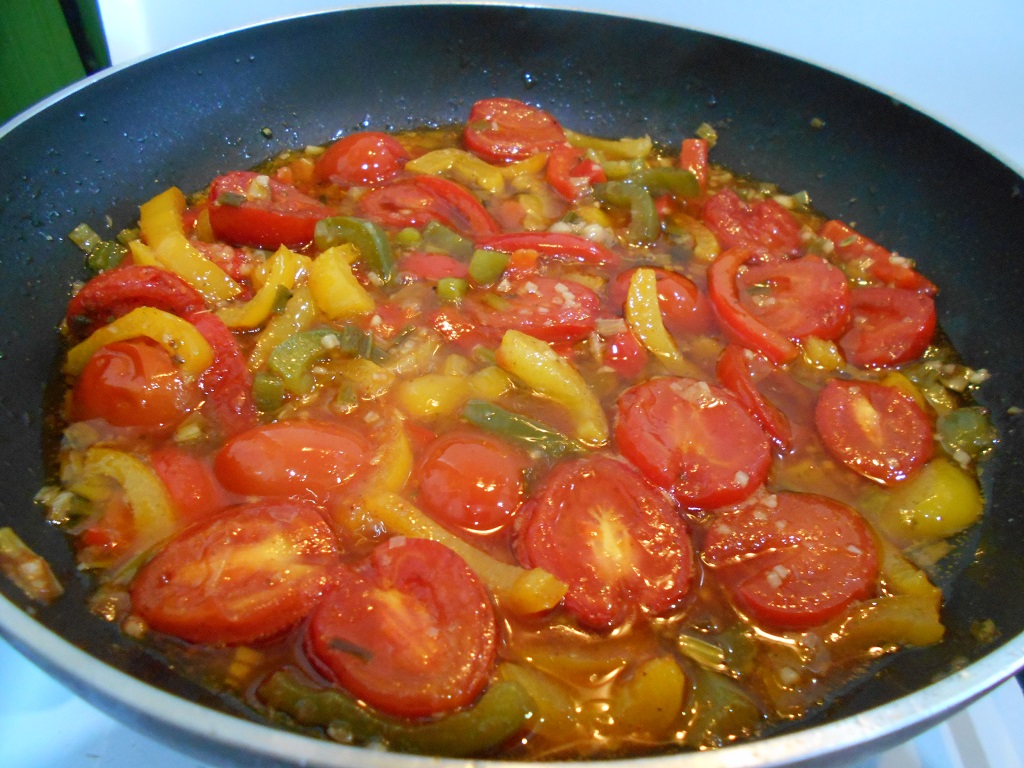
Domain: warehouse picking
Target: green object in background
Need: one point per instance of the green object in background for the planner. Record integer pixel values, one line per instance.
(44, 46)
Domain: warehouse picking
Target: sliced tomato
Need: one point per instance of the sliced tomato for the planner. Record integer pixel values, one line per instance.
(684, 309)
(874, 429)
(561, 246)
(624, 354)
(285, 216)
(764, 227)
(456, 326)
(302, 459)
(227, 383)
(792, 560)
(189, 480)
(502, 130)
(364, 159)
(692, 439)
(549, 309)
(249, 573)
(888, 326)
(617, 541)
(471, 481)
(741, 325)
(882, 264)
(693, 156)
(796, 298)
(118, 291)
(237, 263)
(411, 631)
(417, 201)
(735, 371)
(133, 384)
(571, 174)
(431, 265)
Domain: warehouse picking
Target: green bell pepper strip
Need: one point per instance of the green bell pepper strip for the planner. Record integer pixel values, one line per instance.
(293, 358)
(661, 179)
(452, 289)
(369, 238)
(499, 714)
(644, 225)
(438, 236)
(527, 433)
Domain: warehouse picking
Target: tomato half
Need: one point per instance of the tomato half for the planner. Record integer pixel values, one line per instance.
(735, 371)
(411, 631)
(888, 326)
(501, 130)
(792, 560)
(684, 309)
(431, 265)
(765, 227)
(561, 246)
(881, 263)
(874, 429)
(624, 354)
(571, 174)
(243, 575)
(617, 541)
(693, 439)
(417, 201)
(133, 384)
(471, 481)
(292, 458)
(549, 309)
(366, 159)
(282, 216)
(797, 298)
(227, 383)
(194, 491)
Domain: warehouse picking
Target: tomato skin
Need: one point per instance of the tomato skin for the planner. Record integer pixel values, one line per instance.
(764, 227)
(792, 560)
(617, 541)
(366, 159)
(502, 130)
(684, 309)
(552, 310)
(417, 201)
(411, 631)
(571, 174)
(692, 439)
(300, 459)
(881, 263)
(432, 266)
(118, 291)
(562, 246)
(243, 575)
(797, 298)
(227, 383)
(876, 430)
(734, 371)
(133, 383)
(455, 325)
(888, 326)
(195, 492)
(624, 354)
(288, 218)
(471, 481)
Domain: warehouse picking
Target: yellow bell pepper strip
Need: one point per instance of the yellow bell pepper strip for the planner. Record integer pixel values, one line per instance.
(643, 315)
(162, 216)
(335, 289)
(461, 166)
(298, 314)
(705, 244)
(527, 591)
(651, 700)
(143, 255)
(891, 620)
(527, 433)
(534, 362)
(27, 570)
(614, 149)
(937, 501)
(178, 255)
(284, 268)
(393, 464)
(501, 712)
(366, 236)
(179, 337)
(432, 395)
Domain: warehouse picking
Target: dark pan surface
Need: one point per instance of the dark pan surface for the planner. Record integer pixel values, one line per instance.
(185, 116)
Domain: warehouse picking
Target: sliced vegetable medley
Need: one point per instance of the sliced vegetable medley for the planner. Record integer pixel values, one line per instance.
(505, 440)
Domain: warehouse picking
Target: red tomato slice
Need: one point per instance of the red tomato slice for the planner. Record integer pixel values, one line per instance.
(549, 309)
(286, 217)
(880, 263)
(431, 266)
(624, 354)
(571, 174)
(243, 575)
(311, 460)
(133, 384)
(455, 326)
(501, 130)
(417, 201)
(118, 291)
(734, 371)
(764, 227)
(618, 542)
(237, 263)
(364, 159)
(693, 156)
(875, 430)
(412, 631)
(562, 246)
(744, 327)
(194, 490)
(792, 560)
(693, 439)
(471, 481)
(684, 309)
(227, 383)
(888, 326)
(797, 298)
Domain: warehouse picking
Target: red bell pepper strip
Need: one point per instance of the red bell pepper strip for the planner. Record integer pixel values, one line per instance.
(554, 245)
(880, 263)
(227, 383)
(571, 174)
(735, 373)
(694, 157)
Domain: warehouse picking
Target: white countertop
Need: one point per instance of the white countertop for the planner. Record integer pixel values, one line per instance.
(961, 63)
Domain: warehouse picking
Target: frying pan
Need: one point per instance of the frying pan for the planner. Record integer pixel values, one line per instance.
(187, 115)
